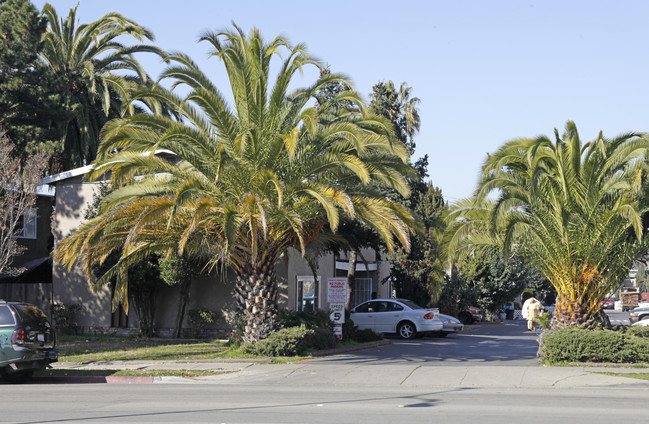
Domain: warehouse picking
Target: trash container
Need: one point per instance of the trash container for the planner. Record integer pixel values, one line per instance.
(509, 314)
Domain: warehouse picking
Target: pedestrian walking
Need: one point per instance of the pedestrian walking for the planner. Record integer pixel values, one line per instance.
(533, 313)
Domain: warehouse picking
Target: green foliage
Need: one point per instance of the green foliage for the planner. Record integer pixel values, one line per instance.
(65, 317)
(575, 210)
(399, 108)
(641, 279)
(85, 58)
(352, 333)
(527, 293)
(544, 320)
(579, 345)
(30, 109)
(201, 320)
(310, 319)
(290, 342)
(489, 280)
(638, 331)
(248, 180)
(418, 275)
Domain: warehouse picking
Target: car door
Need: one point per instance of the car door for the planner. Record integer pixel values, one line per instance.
(363, 315)
(7, 327)
(388, 316)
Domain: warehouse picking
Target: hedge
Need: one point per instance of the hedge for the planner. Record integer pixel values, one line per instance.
(578, 345)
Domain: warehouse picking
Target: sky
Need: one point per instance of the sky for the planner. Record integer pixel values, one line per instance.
(486, 72)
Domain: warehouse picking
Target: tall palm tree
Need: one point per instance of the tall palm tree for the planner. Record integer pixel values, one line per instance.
(243, 182)
(573, 209)
(96, 72)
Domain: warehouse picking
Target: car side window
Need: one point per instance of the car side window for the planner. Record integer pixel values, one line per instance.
(363, 308)
(394, 307)
(6, 317)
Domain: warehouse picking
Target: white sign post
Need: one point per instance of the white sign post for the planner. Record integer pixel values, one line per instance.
(337, 296)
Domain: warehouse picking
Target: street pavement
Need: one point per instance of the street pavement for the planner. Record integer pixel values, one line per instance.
(486, 356)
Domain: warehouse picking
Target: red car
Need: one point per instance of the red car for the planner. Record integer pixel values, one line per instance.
(608, 303)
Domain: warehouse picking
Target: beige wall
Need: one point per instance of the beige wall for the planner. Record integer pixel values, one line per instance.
(71, 287)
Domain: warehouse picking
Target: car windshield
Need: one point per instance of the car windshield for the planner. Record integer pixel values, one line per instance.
(410, 304)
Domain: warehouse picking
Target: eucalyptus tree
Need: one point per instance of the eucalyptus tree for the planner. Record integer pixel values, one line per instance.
(96, 72)
(574, 210)
(239, 184)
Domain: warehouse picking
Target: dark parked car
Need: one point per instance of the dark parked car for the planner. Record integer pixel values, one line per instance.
(27, 341)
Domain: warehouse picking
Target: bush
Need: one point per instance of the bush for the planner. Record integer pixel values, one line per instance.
(578, 345)
(290, 341)
(639, 331)
(65, 317)
(312, 320)
(352, 333)
(200, 320)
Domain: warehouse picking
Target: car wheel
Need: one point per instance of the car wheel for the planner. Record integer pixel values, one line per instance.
(644, 317)
(465, 318)
(407, 330)
(16, 377)
(443, 334)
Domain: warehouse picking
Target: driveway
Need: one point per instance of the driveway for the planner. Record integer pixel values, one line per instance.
(508, 344)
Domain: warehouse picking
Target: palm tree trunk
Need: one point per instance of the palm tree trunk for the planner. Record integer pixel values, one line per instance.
(256, 295)
(572, 313)
(351, 275)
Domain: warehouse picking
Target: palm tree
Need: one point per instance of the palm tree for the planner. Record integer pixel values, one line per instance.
(573, 210)
(242, 183)
(96, 72)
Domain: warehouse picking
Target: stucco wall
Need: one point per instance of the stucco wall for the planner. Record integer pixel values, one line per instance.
(71, 287)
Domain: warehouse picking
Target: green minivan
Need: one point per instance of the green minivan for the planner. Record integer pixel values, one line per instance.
(27, 341)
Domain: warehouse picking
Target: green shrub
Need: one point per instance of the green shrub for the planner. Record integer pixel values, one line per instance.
(639, 331)
(289, 342)
(65, 317)
(200, 320)
(312, 319)
(527, 293)
(352, 333)
(367, 335)
(544, 320)
(577, 345)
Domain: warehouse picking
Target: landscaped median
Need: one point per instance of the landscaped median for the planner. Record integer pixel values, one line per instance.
(573, 346)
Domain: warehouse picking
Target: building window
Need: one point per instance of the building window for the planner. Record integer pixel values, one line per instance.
(362, 290)
(26, 225)
(307, 296)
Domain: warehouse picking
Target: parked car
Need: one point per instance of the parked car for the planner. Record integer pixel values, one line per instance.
(608, 303)
(470, 315)
(450, 325)
(639, 314)
(643, 323)
(400, 316)
(27, 341)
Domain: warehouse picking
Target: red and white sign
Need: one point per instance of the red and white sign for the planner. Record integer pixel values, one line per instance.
(337, 290)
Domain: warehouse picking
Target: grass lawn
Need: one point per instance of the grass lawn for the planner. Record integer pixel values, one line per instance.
(638, 375)
(88, 348)
(115, 348)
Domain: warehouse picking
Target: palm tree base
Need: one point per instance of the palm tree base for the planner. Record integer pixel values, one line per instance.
(256, 294)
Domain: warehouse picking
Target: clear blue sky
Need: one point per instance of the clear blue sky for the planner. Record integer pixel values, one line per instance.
(485, 71)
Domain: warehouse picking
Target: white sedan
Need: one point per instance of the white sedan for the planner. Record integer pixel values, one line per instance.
(451, 325)
(400, 316)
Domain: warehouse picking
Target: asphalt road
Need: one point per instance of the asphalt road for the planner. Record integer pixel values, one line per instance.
(398, 383)
(315, 404)
(507, 344)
